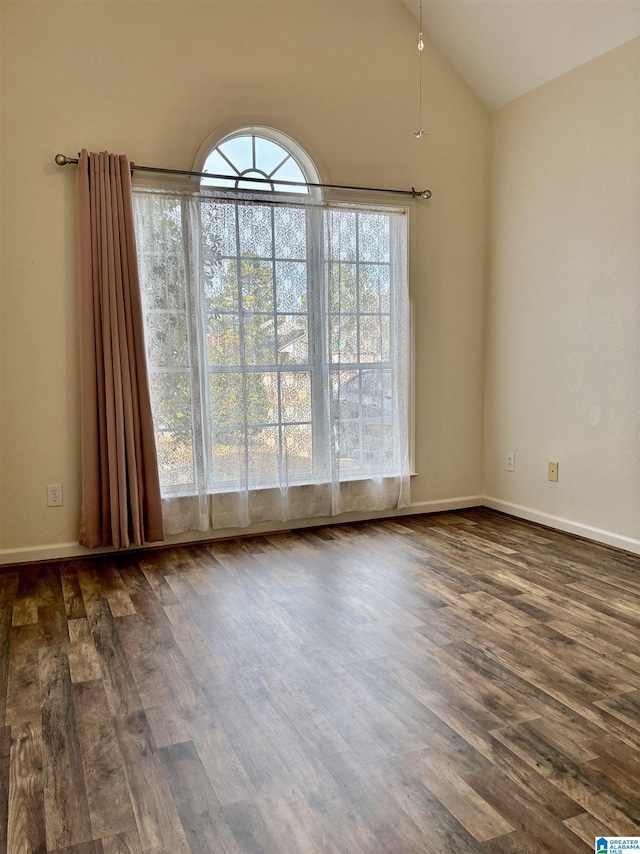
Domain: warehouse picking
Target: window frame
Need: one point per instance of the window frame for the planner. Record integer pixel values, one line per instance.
(319, 366)
(225, 133)
(313, 366)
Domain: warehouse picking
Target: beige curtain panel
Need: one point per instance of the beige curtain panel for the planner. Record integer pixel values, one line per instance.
(121, 502)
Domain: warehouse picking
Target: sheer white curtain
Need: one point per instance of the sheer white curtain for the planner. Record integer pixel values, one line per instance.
(278, 351)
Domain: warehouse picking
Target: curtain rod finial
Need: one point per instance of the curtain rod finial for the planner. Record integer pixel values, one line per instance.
(61, 160)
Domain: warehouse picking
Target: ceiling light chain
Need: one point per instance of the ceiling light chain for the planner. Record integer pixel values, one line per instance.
(420, 133)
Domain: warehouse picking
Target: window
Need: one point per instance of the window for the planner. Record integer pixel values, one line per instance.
(277, 329)
(258, 154)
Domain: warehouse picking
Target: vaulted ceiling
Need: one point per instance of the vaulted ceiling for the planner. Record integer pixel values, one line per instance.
(505, 48)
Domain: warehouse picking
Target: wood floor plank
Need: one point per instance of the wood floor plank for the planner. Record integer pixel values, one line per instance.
(249, 829)
(223, 766)
(312, 727)
(25, 612)
(79, 631)
(540, 793)
(83, 662)
(65, 799)
(253, 746)
(454, 726)
(300, 763)
(123, 843)
(546, 675)
(617, 728)
(574, 780)
(289, 818)
(170, 725)
(618, 756)
(154, 570)
(120, 687)
(522, 842)
(41, 582)
(456, 673)
(92, 847)
(22, 696)
(192, 644)
(604, 649)
(481, 820)
(120, 603)
(73, 601)
(353, 715)
(570, 744)
(379, 677)
(157, 820)
(356, 808)
(415, 799)
(540, 703)
(146, 652)
(588, 828)
(26, 819)
(200, 812)
(8, 592)
(536, 828)
(5, 770)
(626, 707)
(52, 628)
(606, 677)
(108, 798)
(565, 609)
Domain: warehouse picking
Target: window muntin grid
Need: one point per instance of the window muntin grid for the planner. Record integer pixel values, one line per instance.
(357, 260)
(250, 155)
(263, 374)
(262, 368)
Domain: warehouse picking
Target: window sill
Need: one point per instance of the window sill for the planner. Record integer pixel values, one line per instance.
(188, 491)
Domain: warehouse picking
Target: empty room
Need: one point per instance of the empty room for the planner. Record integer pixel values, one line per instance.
(320, 426)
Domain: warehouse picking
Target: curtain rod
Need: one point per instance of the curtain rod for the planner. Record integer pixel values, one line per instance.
(62, 160)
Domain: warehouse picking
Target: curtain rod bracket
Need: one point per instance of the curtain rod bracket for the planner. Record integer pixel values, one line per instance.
(420, 194)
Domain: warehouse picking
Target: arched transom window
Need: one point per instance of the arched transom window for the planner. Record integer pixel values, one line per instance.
(259, 153)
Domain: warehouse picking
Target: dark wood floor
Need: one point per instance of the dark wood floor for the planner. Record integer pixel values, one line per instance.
(462, 682)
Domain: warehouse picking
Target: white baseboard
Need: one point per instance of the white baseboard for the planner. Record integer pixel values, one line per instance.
(61, 551)
(608, 538)
(51, 551)
(440, 506)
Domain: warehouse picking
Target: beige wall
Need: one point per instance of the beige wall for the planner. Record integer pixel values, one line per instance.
(563, 323)
(153, 80)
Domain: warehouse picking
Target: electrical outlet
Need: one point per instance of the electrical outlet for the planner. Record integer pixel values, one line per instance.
(511, 462)
(553, 472)
(54, 495)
